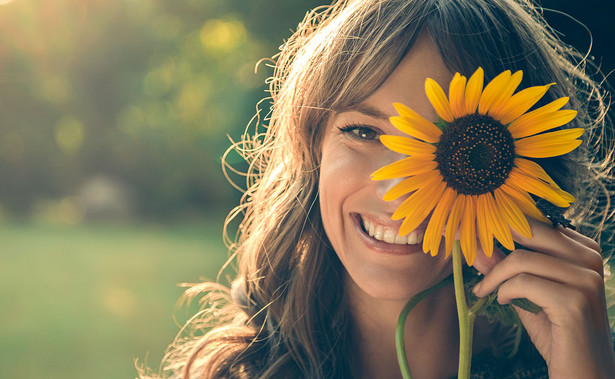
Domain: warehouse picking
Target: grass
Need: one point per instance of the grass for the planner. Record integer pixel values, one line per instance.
(86, 301)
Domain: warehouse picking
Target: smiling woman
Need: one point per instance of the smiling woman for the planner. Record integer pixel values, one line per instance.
(325, 261)
(350, 199)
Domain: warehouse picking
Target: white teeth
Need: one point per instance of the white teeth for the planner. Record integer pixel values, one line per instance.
(401, 240)
(378, 233)
(389, 235)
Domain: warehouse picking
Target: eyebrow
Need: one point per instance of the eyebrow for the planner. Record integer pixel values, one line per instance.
(368, 111)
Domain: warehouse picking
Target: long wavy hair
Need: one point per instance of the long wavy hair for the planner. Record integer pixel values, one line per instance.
(285, 315)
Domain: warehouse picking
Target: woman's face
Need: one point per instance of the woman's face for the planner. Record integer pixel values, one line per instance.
(356, 219)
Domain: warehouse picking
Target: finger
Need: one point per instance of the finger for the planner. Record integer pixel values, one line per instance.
(561, 302)
(544, 238)
(580, 238)
(547, 240)
(543, 292)
(540, 265)
(568, 307)
(590, 257)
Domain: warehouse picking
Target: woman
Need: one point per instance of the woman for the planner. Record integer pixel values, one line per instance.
(317, 295)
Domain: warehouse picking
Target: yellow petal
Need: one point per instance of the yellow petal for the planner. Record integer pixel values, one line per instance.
(418, 206)
(496, 220)
(525, 202)
(405, 167)
(549, 144)
(456, 94)
(410, 184)
(492, 89)
(406, 145)
(548, 149)
(539, 188)
(467, 230)
(541, 119)
(409, 206)
(473, 90)
(532, 168)
(438, 99)
(512, 213)
(519, 103)
(433, 233)
(504, 96)
(485, 235)
(452, 223)
(415, 125)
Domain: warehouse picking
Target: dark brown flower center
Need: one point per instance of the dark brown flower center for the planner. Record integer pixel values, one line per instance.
(475, 154)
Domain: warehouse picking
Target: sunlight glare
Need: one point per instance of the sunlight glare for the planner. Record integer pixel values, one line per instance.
(4, 2)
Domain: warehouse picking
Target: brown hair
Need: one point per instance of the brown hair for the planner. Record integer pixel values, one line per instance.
(285, 315)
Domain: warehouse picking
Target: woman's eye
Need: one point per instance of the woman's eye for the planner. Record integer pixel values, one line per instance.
(361, 132)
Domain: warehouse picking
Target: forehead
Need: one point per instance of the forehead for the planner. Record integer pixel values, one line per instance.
(406, 84)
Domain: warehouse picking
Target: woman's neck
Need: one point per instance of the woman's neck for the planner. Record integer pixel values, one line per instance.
(431, 335)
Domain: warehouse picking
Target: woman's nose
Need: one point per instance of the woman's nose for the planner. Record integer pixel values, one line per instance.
(384, 186)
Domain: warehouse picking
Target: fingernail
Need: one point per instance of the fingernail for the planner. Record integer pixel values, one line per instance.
(476, 288)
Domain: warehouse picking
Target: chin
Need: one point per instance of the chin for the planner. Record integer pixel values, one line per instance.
(394, 285)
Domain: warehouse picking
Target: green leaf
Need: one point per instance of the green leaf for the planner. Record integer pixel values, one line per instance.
(527, 305)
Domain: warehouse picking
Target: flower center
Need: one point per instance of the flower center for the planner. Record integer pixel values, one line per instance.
(475, 154)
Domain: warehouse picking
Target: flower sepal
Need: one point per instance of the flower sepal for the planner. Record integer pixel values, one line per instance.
(441, 123)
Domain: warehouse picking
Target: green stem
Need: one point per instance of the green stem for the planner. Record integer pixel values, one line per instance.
(477, 307)
(400, 343)
(466, 318)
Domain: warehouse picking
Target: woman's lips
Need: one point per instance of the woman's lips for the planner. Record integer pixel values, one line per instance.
(390, 235)
(381, 234)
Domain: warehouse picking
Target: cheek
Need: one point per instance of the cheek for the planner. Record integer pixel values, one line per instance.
(344, 185)
(335, 184)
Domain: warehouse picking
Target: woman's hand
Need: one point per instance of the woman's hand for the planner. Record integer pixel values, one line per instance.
(561, 271)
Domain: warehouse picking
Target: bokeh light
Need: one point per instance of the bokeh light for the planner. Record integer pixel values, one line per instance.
(69, 134)
(222, 35)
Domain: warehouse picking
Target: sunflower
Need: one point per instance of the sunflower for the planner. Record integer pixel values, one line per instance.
(470, 170)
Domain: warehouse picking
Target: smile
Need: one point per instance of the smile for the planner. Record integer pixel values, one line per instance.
(390, 235)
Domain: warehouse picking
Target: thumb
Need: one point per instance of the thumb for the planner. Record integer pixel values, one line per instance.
(485, 264)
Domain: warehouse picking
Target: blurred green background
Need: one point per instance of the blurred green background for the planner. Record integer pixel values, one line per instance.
(113, 117)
